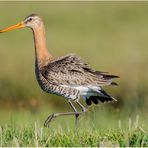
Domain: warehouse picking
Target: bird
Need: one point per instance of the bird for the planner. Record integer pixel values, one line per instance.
(68, 76)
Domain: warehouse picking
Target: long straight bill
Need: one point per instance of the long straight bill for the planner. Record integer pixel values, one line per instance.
(17, 26)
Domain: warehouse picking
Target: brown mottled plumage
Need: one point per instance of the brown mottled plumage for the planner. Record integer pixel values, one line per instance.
(72, 71)
(68, 76)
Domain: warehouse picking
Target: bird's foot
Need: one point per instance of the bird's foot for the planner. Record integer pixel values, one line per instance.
(48, 120)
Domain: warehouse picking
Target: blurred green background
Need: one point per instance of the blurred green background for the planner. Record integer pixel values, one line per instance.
(111, 36)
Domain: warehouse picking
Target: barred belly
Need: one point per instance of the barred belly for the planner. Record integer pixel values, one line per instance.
(67, 92)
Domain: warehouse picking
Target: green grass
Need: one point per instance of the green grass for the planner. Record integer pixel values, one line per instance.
(36, 135)
(98, 127)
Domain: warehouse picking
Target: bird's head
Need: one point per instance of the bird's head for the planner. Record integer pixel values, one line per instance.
(32, 21)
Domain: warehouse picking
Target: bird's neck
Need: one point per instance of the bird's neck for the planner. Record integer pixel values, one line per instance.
(41, 51)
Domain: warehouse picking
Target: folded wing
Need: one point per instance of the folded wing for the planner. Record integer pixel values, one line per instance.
(71, 70)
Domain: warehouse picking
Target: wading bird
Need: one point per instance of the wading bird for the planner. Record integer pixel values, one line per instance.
(68, 76)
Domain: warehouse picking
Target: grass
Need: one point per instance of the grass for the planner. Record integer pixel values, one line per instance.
(96, 128)
(36, 135)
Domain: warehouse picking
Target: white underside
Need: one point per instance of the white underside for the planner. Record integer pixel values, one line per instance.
(86, 91)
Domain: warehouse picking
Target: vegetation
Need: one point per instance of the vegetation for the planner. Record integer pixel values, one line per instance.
(23, 132)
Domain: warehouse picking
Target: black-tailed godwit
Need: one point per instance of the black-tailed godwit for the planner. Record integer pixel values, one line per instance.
(68, 76)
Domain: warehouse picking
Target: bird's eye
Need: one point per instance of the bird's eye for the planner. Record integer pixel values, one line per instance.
(30, 19)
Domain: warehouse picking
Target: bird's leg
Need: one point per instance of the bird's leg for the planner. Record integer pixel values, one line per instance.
(76, 115)
(52, 116)
(81, 106)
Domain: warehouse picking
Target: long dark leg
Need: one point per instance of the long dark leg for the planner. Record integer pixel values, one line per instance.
(83, 111)
(52, 116)
(76, 115)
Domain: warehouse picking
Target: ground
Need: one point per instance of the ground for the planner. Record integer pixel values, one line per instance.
(94, 129)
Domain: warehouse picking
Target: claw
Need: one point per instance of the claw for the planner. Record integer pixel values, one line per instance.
(48, 120)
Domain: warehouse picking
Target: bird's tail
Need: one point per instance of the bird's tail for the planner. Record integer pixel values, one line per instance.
(102, 97)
